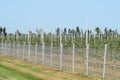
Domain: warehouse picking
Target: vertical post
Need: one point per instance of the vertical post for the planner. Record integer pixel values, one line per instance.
(43, 45)
(112, 36)
(61, 54)
(36, 53)
(43, 55)
(51, 53)
(28, 37)
(73, 58)
(10, 48)
(18, 50)
(101, 37)
(42, 36)
(51, 50)
(65, 39)
(25, 37)
(2, 47)
(87, 59)
(81, 35)
(87, 50)
(29, 50)
(60, 37)
(94, 42)
(14, 49)
(23, 50)
(104, 61)
(5, 49)
(94, 38)
(73, 38)
(86, 37)
(8, 45)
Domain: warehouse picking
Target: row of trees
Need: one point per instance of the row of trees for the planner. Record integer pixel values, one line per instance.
(96, 38)
(3, 31)
(79, 31)
(76, 32)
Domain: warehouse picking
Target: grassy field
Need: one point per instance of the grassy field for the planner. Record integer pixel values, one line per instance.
(14, 69)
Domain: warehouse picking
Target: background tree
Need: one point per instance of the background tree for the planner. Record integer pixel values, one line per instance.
(65, 32)
(58, 31)
(77, 31)
(0, 30)
(105, 32)
(69, 31)
(38, 32)
(97, 30)
(4, 31)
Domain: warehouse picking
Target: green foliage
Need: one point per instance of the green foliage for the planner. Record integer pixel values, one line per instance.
(69, 36)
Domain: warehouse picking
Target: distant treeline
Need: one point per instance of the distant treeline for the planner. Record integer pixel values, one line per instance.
(3, 31)
(96, 38)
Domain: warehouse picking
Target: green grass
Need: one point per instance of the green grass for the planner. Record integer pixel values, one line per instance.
(15, 69)
(36, 69)
(9, 73)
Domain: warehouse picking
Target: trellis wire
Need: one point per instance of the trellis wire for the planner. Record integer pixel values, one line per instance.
(70, 58)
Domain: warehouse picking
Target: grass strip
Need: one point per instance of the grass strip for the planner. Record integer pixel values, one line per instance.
(9, 73)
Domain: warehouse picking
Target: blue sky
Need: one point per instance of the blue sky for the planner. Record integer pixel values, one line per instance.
(28, 15)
